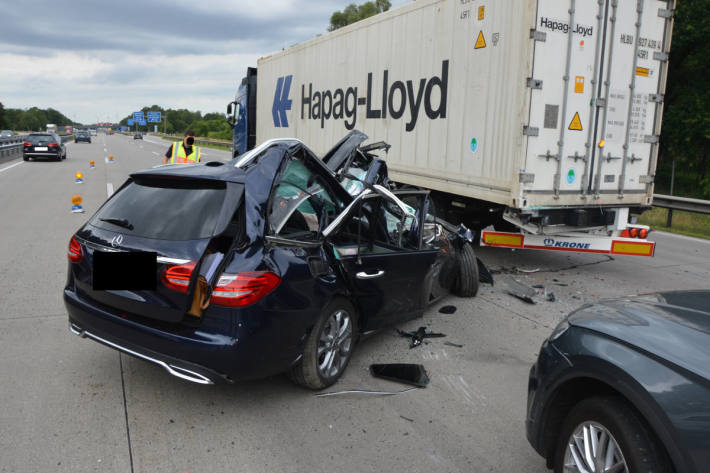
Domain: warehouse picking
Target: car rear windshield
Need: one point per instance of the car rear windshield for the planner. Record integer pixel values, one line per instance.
(35, 139)
(163, 211)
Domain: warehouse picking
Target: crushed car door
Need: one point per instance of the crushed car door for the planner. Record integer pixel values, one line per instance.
(378, 247)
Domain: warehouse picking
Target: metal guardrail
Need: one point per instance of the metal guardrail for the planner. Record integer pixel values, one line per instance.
(226, 144)
(681, 203)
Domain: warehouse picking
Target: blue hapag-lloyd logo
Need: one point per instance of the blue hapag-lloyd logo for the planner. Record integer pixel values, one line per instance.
(281, 101)
(551, 242)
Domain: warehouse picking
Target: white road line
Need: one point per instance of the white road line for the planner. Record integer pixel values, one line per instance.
(157, 154)
(676, 235)
(109, 189)
(11, 166)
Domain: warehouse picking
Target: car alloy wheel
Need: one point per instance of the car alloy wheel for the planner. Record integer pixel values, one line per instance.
(334, 344)
(592, 448)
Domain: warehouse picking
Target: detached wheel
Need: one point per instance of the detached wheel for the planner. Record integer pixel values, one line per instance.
(604, 434)
(328, 347)
(467, 281)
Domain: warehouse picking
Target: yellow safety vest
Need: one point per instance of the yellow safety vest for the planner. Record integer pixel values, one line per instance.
(179, 155)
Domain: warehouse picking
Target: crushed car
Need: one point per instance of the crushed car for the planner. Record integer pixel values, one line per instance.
(259, 266)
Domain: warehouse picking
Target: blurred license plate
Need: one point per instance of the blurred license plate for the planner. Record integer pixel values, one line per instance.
(40, 148)
(123, 270)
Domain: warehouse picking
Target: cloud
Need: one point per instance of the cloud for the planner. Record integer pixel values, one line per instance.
(94, 60)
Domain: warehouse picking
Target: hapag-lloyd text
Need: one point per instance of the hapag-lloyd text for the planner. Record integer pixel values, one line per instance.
(343, 103)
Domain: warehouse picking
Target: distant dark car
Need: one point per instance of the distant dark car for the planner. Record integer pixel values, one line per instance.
(624, 385)
(6, 134)
(44, 146)
(287, 266)
(137, 136)
(82, 136)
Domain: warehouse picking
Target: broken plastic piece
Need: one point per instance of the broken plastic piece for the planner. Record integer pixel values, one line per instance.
(527, 270)
(406, 373)
(551, 297)
(521, 291)
(418, 336)
(365, 391)
(447, 309)
(484, 274)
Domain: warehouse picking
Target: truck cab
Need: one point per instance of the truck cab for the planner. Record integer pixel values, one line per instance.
(241, 115)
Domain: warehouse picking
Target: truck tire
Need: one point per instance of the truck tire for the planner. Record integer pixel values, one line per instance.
(467, 282)
(338, 321)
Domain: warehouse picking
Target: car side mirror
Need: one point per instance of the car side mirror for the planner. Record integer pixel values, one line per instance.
(229, 109)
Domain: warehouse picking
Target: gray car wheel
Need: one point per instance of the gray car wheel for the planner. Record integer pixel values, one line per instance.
(606, 435)
(328, 347)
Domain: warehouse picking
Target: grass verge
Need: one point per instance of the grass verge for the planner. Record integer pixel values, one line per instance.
(684, 223)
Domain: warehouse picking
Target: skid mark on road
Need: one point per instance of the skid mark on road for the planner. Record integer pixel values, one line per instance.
(435, 355)
(462, 391)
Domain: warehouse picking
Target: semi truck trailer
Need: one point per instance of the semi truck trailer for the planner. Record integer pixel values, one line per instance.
(540, 118)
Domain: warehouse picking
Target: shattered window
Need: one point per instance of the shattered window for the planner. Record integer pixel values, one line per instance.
(302, 205)
(379, 226)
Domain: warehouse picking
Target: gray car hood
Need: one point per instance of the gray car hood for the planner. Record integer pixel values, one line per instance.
(674, 326)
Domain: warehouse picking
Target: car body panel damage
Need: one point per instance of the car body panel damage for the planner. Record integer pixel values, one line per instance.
(262, 260)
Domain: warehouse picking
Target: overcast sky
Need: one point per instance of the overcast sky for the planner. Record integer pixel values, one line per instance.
(100, 61)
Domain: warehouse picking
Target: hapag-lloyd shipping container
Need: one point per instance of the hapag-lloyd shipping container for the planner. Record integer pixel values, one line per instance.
(545, 113)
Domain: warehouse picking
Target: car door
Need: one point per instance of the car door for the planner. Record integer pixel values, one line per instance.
(378, 248)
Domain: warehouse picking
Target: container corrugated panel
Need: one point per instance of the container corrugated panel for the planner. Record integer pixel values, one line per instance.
(446, 84)
(597, 111)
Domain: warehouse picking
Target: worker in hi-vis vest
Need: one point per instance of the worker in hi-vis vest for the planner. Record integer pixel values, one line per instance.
(183, 151)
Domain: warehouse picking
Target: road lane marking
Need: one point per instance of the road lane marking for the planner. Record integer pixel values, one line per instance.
(11, 166)
(109, 189)
(157, 154)
(681, 237)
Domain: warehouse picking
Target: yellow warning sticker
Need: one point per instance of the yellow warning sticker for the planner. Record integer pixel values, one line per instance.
(579, 85)
(576, 124)
(481, 12)
(642, 71)
(480, 42)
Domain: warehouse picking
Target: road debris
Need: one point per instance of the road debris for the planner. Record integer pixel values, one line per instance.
(521, 291)
(521, 270)
(447, 309)
(484, 274)
(365, 391)
(407, 418)
(551, 297)
(452, 344)
(418, 336)
(407, 373)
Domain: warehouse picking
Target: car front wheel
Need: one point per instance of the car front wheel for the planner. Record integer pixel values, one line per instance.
(604, 434)
(329, 346)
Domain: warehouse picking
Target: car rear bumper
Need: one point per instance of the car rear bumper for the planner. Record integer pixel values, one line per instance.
(35, 154)
(189, 353)
(179, 368)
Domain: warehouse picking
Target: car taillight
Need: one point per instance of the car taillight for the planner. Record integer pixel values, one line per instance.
(53, 145)
(75, 254)
(26, 143)
(243, 289)
(177, 278)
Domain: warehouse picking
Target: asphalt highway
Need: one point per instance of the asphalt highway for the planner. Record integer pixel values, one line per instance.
(72, 405)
